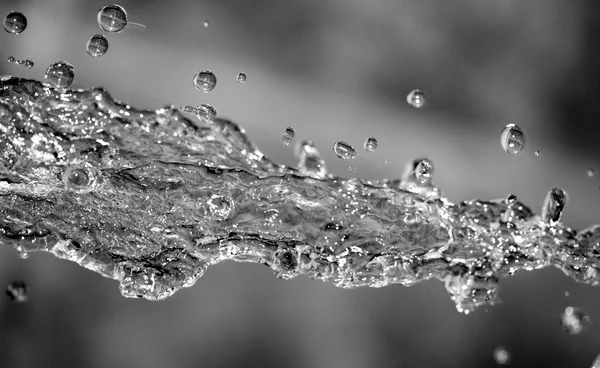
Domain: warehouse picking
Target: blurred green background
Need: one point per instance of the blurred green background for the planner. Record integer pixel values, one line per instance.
(333, 70)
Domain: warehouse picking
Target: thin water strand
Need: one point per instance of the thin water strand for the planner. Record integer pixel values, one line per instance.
(152, 199)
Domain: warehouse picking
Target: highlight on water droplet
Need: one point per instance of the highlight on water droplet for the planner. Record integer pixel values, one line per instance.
(206, 113)
(241, 77)
(344, 150)
(97, 45)
(60, 74)
(512, 139)
(370, 144)
(206, 24)
(596, 363)
(554, 205)
(416, 98)
(205, 81)
(112, 18)
(15, 22)
(590, 173)
(28, 64)
(501, 355)
(537, 153)
(424, 171)
(574, 320)
(16, 291)
(288, 136)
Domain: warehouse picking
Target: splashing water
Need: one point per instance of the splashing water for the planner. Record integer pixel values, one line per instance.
(151, 199)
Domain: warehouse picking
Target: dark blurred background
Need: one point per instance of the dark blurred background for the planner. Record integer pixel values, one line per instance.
(333, 70)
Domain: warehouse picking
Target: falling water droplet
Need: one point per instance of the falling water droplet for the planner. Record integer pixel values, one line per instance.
(574, 320)
(567, 294)
(424, 171)
(241, 77)
(11, 59)
(206, 113)
(590, 173)
(512, 139)
(554, 205)
(60, 74)
(205, 81)
(310, 162)
(15, 22)
(416, 98)
(344, 150)
(28, 64)
(97, 45)
(206, 24)
(501, 355)
(288, 136)
(537, 153)
(112, 18)
(370, 144)
(17, 291)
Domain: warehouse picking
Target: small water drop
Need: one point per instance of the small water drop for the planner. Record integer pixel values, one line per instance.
(567, 294)
(501, 355)
(554, 205)
(112, 18)
(370, 144)
(60, 74)
(416, 98)
(512, 139)
(205, 81)
(28, 64)
(310, 161)
(241, 77)
(288, 136)
(11, 59)
(206, 113)
(537, 153)
(590, 173)
(574, 320)
(344, 150)
(206, 24)
(15, 22)
(17, 291)
(424, 171)
(97, 45)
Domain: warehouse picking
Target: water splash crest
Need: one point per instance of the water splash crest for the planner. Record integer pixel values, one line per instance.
(152, 198)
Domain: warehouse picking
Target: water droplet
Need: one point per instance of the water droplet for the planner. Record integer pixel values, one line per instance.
(205, 81)
(344, 150)
(17, 291)
(310, 162)
(60, 74)
(206, 24)
(537, 153)
(352, 169)
(28, 64)
(206, 113)
(416, 98)
(567, 294)
(288, 136)
(11, 59)
(112, 18)
(241, 77)
(554, 205)
(590, 173)
(512, 139)
(574, 320)
(97, 45)
(370, 144)
(424, 171)
(501, 355)
(15, 23)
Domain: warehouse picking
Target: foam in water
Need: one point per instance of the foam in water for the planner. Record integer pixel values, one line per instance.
(152, 199)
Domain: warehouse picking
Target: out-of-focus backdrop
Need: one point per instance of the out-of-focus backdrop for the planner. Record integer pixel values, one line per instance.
(333, 70)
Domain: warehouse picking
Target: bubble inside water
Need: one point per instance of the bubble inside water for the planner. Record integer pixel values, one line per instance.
(416, 98)
(112, 18)
(424, 171)
(288, 136)
(241, 77)
(554, 205)
(205, 81)
(97, 45)
(370, 144)
(60, 74)
(501, 355)
(15, 23)
(574, 320)
(16, 291)
(512, 139)
(344, 150)
(590, 173)
(206, 113)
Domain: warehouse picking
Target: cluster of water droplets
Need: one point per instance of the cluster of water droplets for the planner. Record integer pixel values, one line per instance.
(152, 198)
(27, 63)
